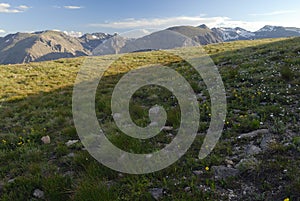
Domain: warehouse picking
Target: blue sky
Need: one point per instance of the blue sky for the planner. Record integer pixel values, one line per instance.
(126, 15)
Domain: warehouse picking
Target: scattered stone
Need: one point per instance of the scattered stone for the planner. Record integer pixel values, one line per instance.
(46, 139)
(38, 193)
(222, 172)
(155, 110)
(229, 163)
(247, 164)
(167, 128)
(170, 135)
(187, 189)
(110, 183)
(201, 96)
(69, 174)
(236, 111)
(117, 116)
(253, 150)
(248, 189)
(198, 172)
(71, 142)
(266, 142)
(11, 181)
(288, 144)
(157, 193)
(153, 97)
(225, 63)
(154, 124)
(231, 194)
(71, 155)
(253, 134)
(204, 188)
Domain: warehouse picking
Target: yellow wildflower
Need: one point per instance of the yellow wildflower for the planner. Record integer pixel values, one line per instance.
(207, 168)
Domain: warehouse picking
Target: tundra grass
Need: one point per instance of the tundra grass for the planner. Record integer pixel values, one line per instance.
(261, 79)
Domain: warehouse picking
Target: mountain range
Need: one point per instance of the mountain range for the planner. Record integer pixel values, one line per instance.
(50, 45)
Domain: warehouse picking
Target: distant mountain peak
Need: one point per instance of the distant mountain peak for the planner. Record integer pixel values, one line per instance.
(268, 28)
(203, 26)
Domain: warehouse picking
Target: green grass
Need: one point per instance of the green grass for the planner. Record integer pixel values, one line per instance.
(261, 79)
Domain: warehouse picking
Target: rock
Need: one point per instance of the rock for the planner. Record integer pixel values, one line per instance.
(247, 164)
(46, 139)
(71, 155)
(229, 162)
(253, 150)
(71, 142)
(253, 134)
(157, 193)
(117, 115)
(187, 189)
(110, 183)
(201, 96)
(69, 174)
(155, 110)
(170, 135)
(266, 142)
(231, 194)
(236, 111)
(167, 128)
(11, 181)
(222, 172)
(38, 193)
(198, 172)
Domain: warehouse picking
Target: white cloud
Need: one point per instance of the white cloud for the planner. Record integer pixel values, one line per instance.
(137, 33)
(2, 32)
(152, 23)
(279, 12)
(23, 7)
(73, 7)
(6, 8)
(162, 23)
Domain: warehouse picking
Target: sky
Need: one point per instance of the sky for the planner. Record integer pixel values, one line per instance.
(134, 17)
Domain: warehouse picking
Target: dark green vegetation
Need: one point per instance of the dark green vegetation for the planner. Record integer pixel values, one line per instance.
(262, 81)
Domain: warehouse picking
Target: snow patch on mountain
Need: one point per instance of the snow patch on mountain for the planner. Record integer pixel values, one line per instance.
(230, 34)
(267, 28)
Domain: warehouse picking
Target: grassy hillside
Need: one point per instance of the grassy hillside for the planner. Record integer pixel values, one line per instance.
(262, 81)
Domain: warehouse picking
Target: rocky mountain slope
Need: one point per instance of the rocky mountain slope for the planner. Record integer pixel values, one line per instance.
(202, 34)
(50, 45)
(91, 41)
(232, 34)
(276, 32)
(166, 39)
(39, 46)
(46, 45)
